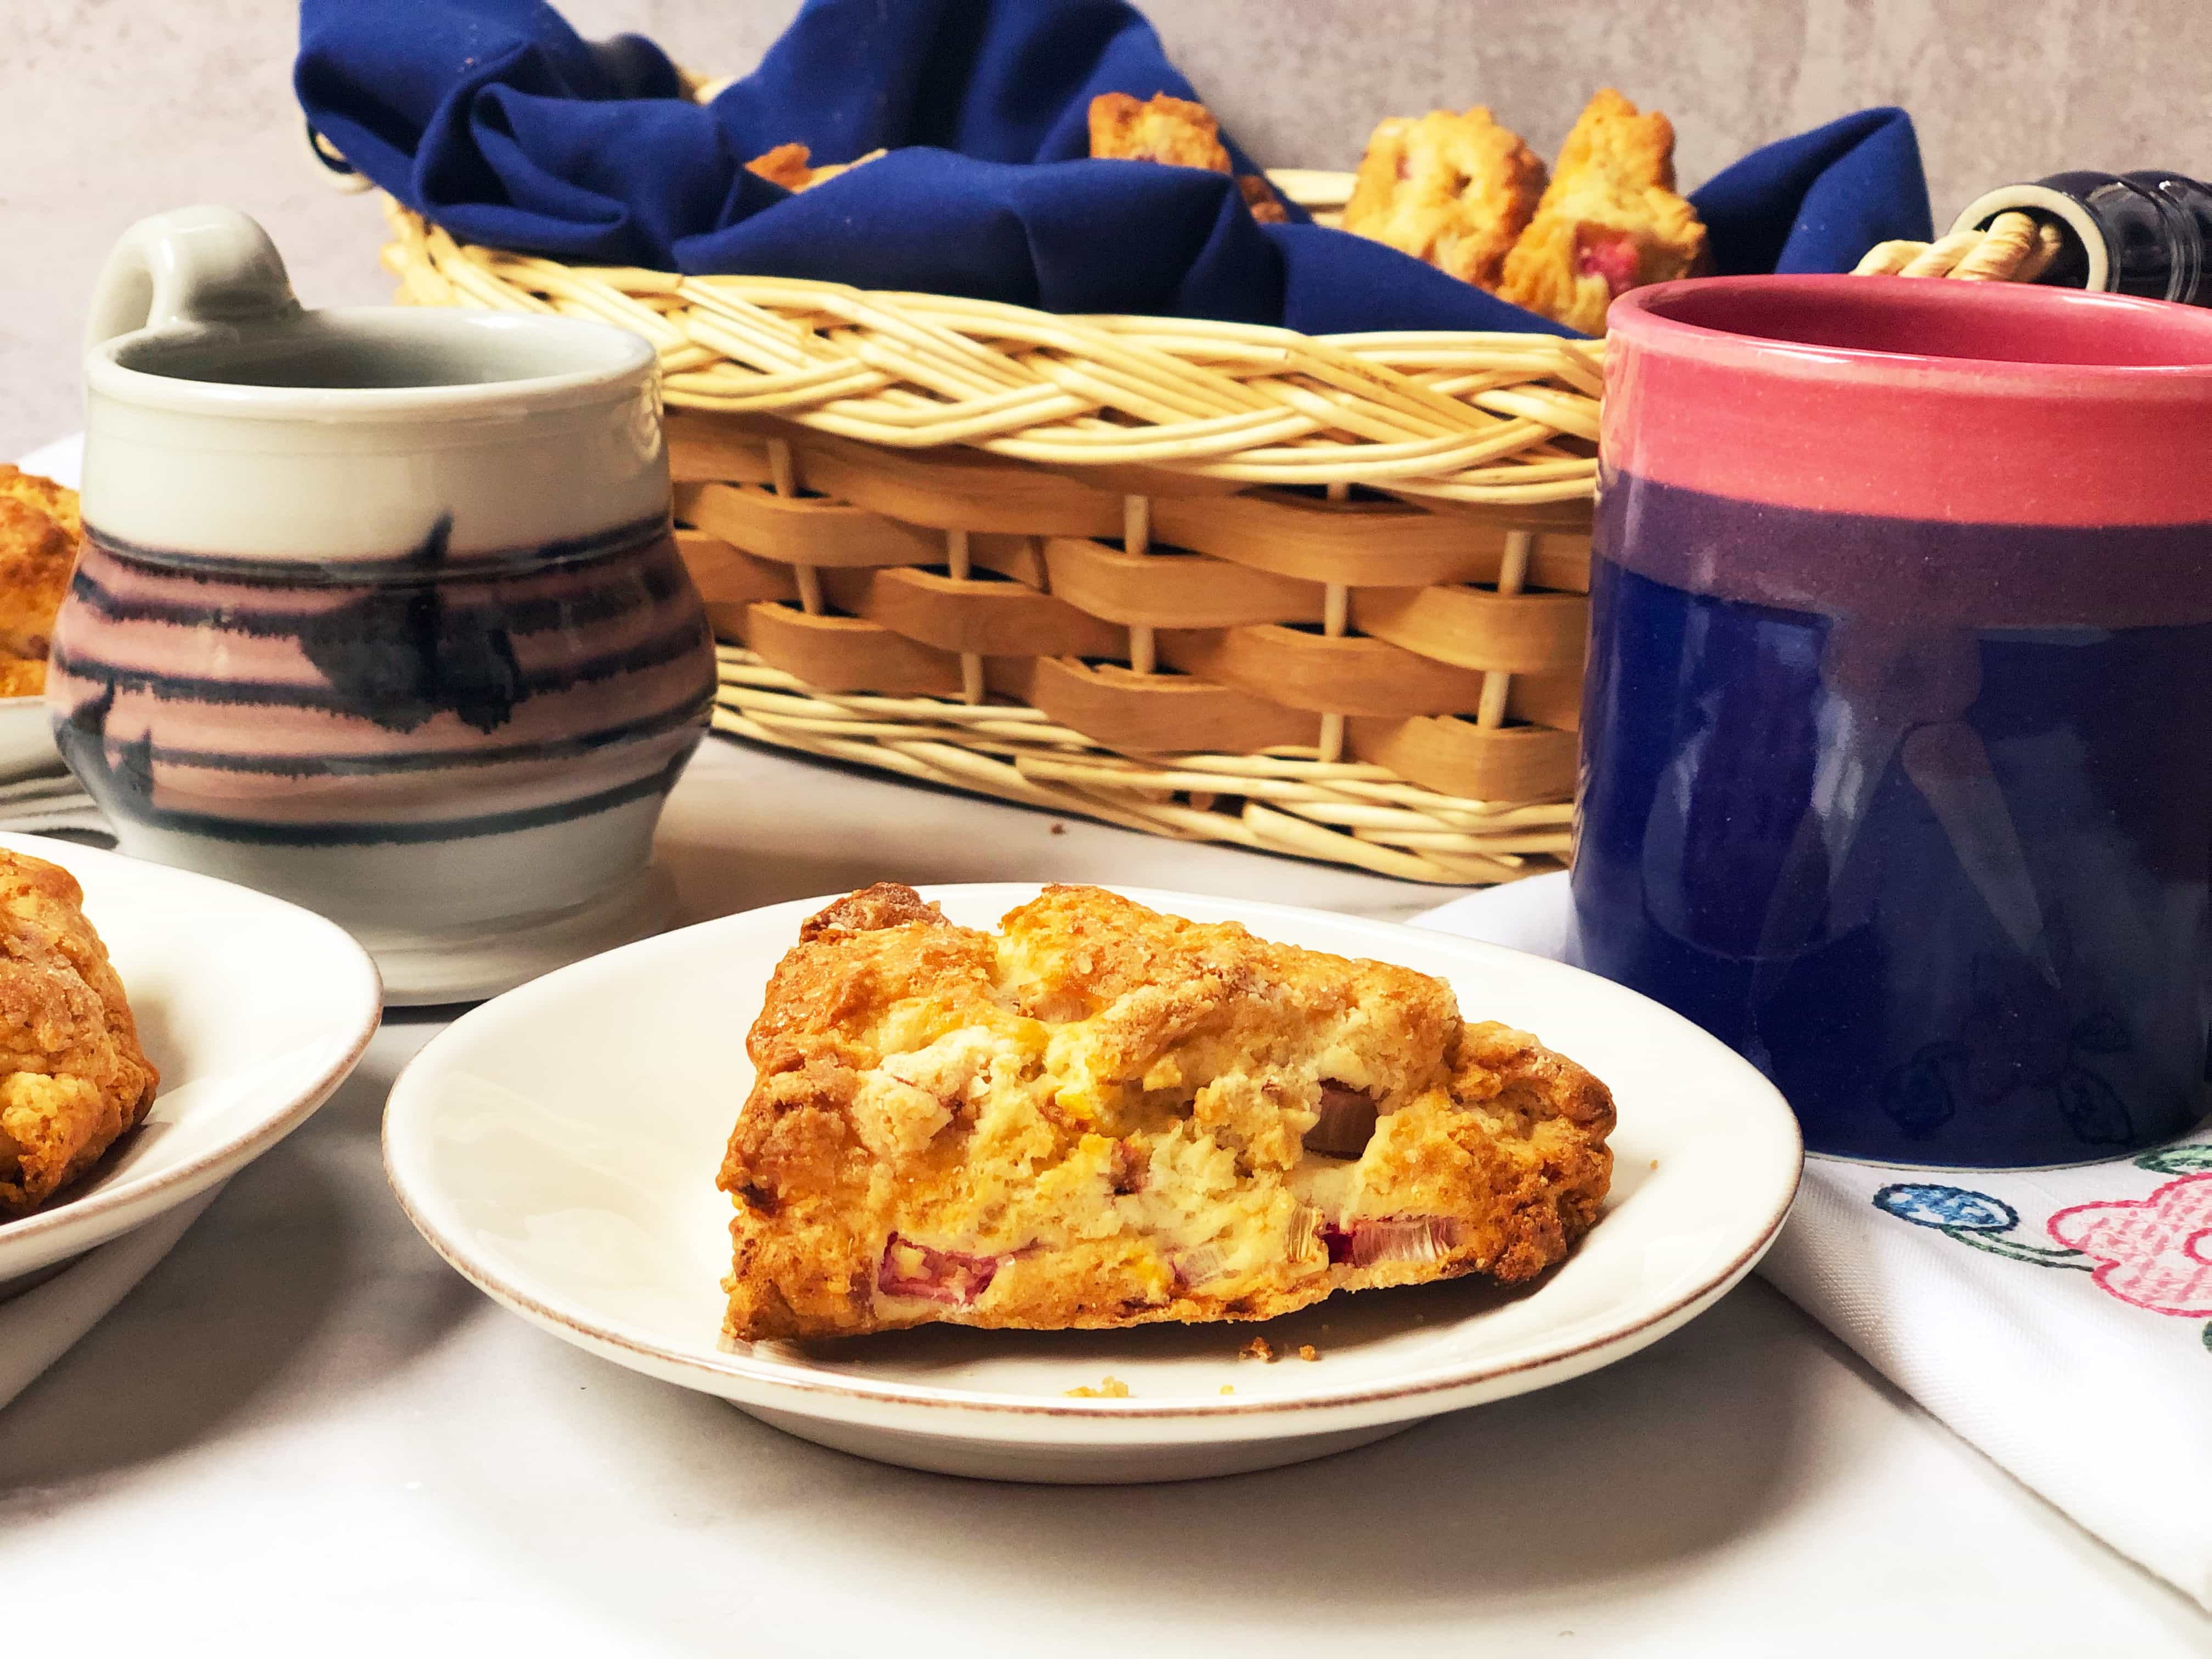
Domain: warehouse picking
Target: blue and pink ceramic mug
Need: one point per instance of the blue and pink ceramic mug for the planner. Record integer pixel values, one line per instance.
(1898, 721)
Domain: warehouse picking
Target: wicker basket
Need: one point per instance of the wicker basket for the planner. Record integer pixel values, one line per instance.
(1322, 597)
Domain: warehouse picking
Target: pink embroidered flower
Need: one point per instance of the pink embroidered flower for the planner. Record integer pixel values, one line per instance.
(2155, 1252)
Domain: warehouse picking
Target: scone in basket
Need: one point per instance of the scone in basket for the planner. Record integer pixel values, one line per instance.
(1320, 596)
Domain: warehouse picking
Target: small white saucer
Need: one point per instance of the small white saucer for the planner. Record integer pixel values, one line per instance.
(467, 965)
(1531, 915)
(558, 1146)
(43, 1313)
(26, 740)
(254, 1010)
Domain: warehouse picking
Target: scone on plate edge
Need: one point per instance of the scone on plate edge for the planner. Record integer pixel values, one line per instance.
(1103, 1116)
(72, 1075)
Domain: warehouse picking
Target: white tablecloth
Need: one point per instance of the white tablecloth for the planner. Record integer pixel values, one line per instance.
(303, 1434)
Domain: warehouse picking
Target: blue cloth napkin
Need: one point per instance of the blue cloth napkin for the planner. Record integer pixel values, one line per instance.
(497, 120)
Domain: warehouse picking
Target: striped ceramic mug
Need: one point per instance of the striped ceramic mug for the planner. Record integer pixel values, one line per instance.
(378, 609)
(1898, 707)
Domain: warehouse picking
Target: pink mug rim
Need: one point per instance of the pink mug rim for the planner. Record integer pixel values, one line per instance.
(1650, 320)
(1874, 431)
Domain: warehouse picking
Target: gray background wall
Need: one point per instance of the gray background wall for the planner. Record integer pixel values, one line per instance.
(111, 109)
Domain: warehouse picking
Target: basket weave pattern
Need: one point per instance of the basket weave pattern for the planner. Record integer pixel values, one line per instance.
(1324, 597)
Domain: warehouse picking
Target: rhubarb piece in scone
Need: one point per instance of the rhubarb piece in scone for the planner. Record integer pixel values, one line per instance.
(1453, 190)
(72, 1075)
(1102, 1116)
(1609, 221)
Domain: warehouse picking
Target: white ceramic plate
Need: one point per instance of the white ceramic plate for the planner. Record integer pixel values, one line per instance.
(40, 1323)
(253, 1009)
(26, 732)
(559, 1147)
(26, 738)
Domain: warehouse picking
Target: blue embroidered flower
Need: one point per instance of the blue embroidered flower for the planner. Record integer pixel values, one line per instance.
(1951, 1208)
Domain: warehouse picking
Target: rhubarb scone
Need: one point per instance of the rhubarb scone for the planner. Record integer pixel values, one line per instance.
(1172, 131)
(1175, 132)
(1101, 1115)
(72, 1075)
(37, 556)
(1609, 221)
(1453, 190)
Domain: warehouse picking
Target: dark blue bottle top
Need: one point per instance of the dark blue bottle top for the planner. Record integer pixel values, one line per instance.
(2146, 232)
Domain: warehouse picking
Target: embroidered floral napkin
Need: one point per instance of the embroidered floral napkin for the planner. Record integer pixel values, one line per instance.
(2061, 1319)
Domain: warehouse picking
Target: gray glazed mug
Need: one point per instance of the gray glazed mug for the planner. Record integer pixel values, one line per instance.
(378, 609)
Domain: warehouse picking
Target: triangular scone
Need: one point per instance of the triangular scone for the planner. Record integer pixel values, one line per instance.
(1453, 190)
(1102, 1115)
(1609, 221)
(1173, 130)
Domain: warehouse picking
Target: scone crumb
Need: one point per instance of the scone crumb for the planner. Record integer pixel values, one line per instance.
(1258, 1349)
(1059, 829)
(1110, 1387)
(1307, 1350)
(1654, 1163)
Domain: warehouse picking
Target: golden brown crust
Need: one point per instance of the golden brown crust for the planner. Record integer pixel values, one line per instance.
(1260, 196)
(1102, 1115)
(22, 677)
(1173, 130)
(792, 167)
(1178, 133)
(72, 1075)
(785, 165)
(1456, 190)
(57, 501)
(1609, 221)
(886, 904)
(37, 554)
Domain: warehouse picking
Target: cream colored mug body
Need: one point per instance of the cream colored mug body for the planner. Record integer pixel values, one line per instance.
(378, 610)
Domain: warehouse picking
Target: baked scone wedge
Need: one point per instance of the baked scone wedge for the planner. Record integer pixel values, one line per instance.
(1175, 132)
(1453, 190)
(1609, 221)
(1102, 1116)
(72, 1075)
(1172, 131)
(37, 556)
(57, 501)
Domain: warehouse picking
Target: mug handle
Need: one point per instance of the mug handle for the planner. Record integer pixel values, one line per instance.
(197, 264)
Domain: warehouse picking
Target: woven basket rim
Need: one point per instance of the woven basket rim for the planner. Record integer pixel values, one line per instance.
(1479, 417)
